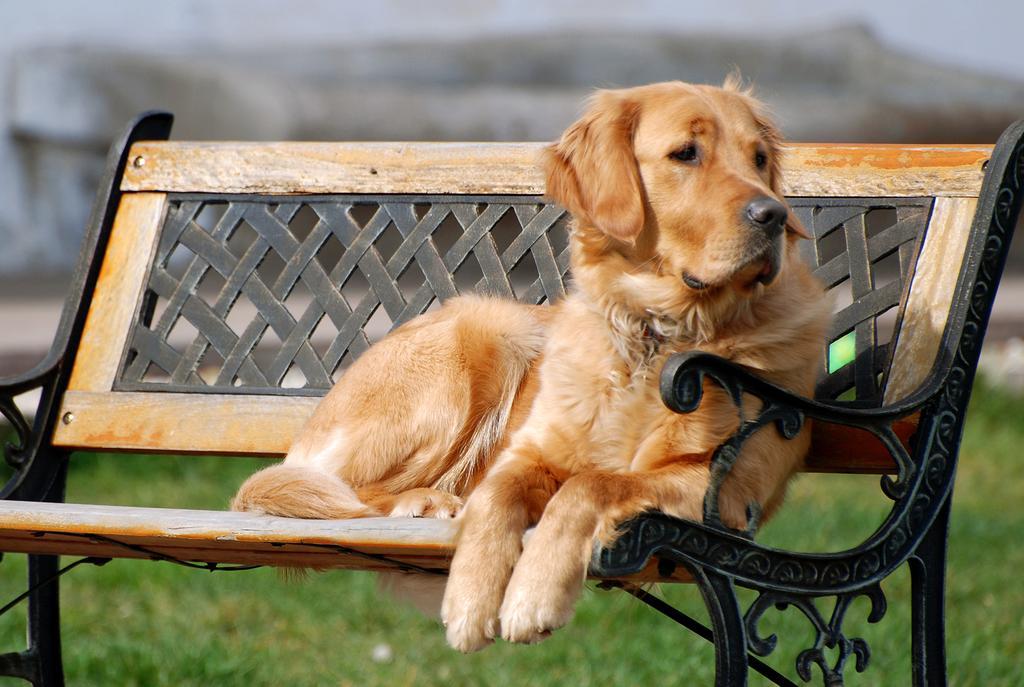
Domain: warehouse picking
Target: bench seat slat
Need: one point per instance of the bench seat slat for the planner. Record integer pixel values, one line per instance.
(230, 538)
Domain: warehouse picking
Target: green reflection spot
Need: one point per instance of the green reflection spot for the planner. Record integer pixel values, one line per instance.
(841, 352)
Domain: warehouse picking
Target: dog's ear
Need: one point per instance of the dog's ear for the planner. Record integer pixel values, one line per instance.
(592, 170)
(773, 140)
(793, 223)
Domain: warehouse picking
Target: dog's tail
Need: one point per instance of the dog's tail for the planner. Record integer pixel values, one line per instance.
(299, 492)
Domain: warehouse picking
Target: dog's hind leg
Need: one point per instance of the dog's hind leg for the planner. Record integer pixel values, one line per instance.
(423, 502)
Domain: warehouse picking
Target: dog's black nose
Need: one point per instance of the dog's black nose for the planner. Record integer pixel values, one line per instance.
(768, 214)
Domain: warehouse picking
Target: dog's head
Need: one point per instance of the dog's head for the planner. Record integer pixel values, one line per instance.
(676, 193)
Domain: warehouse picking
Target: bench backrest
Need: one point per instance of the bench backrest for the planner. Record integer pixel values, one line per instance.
(240, 279)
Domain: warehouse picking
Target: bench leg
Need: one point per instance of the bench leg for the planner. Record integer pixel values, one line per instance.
(41, 663)
(928, 618)
(727, 622)
(44, 621)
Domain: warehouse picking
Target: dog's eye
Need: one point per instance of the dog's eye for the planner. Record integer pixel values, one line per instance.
(687, 154)
(760, 159)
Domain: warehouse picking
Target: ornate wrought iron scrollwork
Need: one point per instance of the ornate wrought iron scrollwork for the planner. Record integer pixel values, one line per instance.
(15, 453)
(682, 387)
(923, 484)
(20, 453)
(828, 633)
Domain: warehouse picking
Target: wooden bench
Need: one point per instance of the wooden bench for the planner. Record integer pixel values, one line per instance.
(224, 286)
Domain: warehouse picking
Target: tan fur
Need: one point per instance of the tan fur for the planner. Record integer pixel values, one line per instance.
(414, 422)
(299, 493)
(551, 416)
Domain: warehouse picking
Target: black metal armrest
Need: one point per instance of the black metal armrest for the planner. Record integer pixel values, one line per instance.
(682, 386)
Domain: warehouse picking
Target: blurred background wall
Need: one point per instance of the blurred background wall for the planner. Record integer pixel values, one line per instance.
(72, 73)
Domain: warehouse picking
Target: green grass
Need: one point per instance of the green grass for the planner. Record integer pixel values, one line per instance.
(144, 623)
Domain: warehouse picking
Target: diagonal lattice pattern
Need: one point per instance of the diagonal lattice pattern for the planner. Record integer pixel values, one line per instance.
(258, 295)
(279, 295)
(863, 251)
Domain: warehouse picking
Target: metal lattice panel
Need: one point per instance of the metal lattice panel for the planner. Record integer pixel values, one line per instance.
(274, 295)
(260, 295)
(863, 251)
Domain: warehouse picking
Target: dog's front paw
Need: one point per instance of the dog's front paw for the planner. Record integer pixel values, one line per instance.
(467, 628)
(534, 607)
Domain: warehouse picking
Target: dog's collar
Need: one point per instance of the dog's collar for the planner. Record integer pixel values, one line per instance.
(649, 332)
(641, 350)
(638, 339)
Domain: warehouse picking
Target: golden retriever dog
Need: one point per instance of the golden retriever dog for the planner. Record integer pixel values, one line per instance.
(551, 416)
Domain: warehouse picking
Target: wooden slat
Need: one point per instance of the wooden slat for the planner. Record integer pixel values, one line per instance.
(884, 170)
(335, 167)
(267, 425)
(419, 536)
(181, 422)
(838, 448)
(221, 537)
(118, 288)
(227, 537)
(511, 168)
(931, 295)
